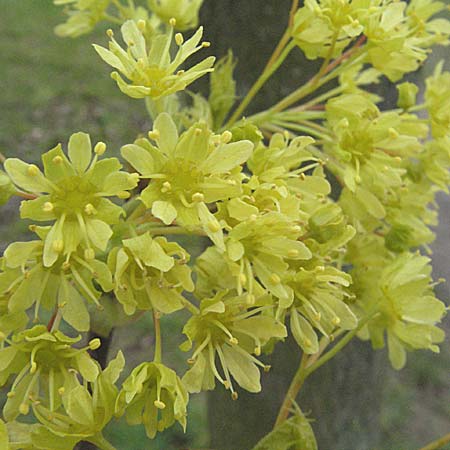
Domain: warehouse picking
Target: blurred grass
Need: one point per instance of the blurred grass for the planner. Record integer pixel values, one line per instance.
(53, 87)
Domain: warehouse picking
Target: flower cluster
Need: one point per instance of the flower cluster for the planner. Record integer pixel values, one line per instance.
(72, 193)
(188, 172)
(150, 274)
(398, 34)
(310, 219)
(148, 65)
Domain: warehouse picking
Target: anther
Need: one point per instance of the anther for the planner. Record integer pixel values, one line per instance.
(214, 226)
(198, 131)
(94, 344)
(100, 148)
(206, 44)
(257, 351)
(166, 187)
(48, 207)
(32, 170)
(123, 195)
(58, 245)
(335, 321)
(24, 409)
(141, 24)
(154, 135)
(233, 341)
(179, 39)
(393, 133)
(226, 137)
(57, 159)
(61, 390)
(11, 394)
(234, 395)
(267, 368)
(275, 279)
(198, 197)
(226, 384)
(293, 253)
(159, 404)
(33, 367)
(110, 33)
(173, 22)
(89, 209)
(89, 254)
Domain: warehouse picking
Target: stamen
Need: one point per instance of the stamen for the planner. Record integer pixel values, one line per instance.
(220, 325)
(200, 348)
(213, 365)
(228, 384)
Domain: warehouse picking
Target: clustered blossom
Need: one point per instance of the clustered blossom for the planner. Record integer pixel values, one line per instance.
(187, 173)
(289, 252)
(72, 192)
(149, 67)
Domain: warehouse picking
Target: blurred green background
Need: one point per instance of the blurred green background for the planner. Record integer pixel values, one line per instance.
(52, 87)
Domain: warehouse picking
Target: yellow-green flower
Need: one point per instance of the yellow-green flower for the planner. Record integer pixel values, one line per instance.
(153, 395)
(25, 281)
(72, 194)
(408, 312)
(185, 12)
(45, 364)
(188, 172)
(150, 273)
(148, 65)
(83, 16)
(223, 329)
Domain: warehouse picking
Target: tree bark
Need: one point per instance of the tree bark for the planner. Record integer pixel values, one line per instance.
(344, 395)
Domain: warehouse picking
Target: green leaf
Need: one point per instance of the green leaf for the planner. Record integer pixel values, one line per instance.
(294, 433)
